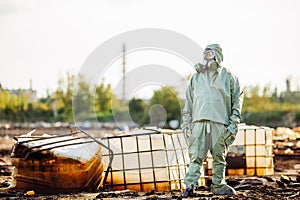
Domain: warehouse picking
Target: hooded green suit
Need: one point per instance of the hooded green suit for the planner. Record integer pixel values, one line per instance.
(212, 111)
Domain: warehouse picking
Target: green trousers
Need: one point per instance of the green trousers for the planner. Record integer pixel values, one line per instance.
(207, 136)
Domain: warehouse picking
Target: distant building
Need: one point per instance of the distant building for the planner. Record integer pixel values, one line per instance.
(30, 92)
(27, 92)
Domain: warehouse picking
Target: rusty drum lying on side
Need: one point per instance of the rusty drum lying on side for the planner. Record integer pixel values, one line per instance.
(56, 164)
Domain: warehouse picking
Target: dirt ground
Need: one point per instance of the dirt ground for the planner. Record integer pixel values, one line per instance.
(284, 184)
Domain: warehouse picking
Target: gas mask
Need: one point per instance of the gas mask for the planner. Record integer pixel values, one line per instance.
(209, 62)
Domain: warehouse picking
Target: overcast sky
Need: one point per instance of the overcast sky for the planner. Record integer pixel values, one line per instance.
(42, 40)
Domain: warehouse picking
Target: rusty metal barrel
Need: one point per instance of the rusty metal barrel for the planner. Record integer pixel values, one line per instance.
(56, 164)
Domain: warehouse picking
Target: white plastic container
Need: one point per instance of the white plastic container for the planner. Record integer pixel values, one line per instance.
(146, 160)
(251, 153)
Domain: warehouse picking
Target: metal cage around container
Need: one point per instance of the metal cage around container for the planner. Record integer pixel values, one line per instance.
(146, 160)
(251, 153)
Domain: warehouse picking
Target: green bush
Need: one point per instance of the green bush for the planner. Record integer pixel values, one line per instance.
(273, 118)
(105, 117)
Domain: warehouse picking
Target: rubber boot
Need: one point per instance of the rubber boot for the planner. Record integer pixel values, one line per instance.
(223, 190)
(188, 192)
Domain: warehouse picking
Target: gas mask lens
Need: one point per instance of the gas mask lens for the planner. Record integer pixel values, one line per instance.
(209, 54)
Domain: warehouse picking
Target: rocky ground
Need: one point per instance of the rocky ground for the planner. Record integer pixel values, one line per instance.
(284, 184)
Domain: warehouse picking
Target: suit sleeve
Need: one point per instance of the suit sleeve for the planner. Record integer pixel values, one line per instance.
(237, 96)
(187, 112)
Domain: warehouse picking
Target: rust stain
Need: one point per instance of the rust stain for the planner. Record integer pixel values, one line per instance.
(57, 174)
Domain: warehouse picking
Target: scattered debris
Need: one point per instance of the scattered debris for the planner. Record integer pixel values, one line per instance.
(30, 193)
(243, 187)
(280, 184)
(269, 179)
(298, 178)
(285, 179)
(287, 182)
(119, 194)
(283, 133)
(286, 141)
(294, 185)
(4, 184)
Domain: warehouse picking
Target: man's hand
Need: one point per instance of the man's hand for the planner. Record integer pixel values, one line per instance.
(230, 134)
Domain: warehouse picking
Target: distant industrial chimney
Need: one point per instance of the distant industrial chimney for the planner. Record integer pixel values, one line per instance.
(124, 71)
(30, 84)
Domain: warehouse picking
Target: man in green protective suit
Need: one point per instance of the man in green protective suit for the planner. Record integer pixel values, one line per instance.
(212, 111)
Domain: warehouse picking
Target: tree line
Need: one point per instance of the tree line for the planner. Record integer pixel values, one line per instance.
(59, 105)
(261, 105)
